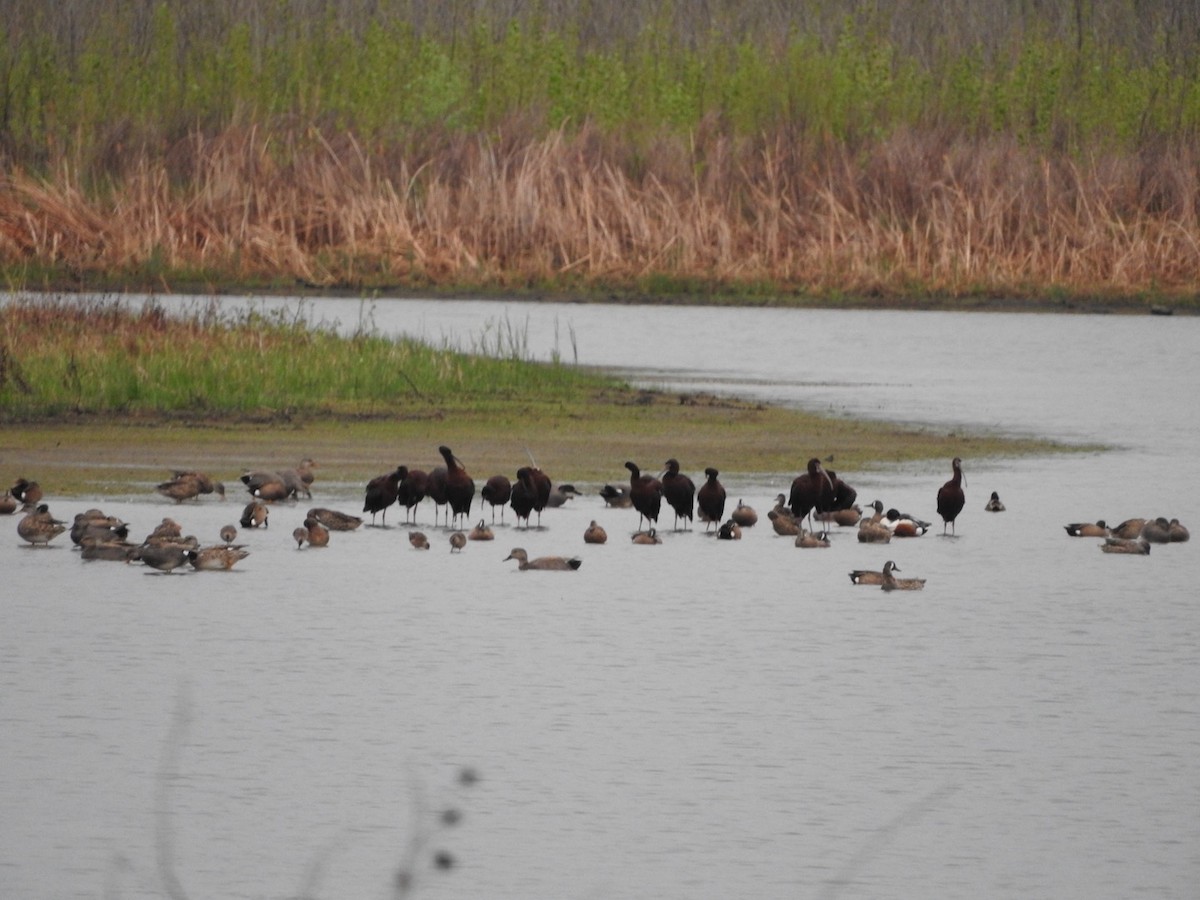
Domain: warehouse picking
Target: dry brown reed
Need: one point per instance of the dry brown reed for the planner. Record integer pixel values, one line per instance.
(917, 212)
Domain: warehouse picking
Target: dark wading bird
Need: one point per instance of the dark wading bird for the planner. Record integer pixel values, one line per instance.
(680, 492)
(710, 499)
(412, 489)
(496, 492)
(811, 491)
(646, 492)
(382, 492)
(950, 497)
(460, 488)
(530, 493)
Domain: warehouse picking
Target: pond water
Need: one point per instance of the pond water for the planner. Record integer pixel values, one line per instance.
(700, 719)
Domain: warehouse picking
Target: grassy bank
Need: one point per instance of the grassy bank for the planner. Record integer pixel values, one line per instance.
(812, 153)
(110, 399)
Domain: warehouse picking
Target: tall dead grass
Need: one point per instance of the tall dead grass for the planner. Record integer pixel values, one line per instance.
(916, 212)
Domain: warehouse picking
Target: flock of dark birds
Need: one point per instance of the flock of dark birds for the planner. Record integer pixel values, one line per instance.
(818, 499)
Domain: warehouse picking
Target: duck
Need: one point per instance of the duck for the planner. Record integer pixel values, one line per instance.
(1130, 529)
(255, 515)
(318, 534)
(1179, 532)
(28, 492)
(616, 496)
(228, 533)
(1088, 529)
(220, 558)
(8, 504)
(646, 537)
(165, 557)
(730, 530)
(267, 486)
(781, 517)
(111, 550)
(1157, 531)
(95, 525)
(1135, 546)
(847, 517)
(994, 504)
(39, 527)
(595, 534)
(810, 539)
(335, 520)
(544, 563)
(560, 494)
(872, 530)
(481, 532)
(458, 540)
(300, 536)
(299, 480)
(744, 515)
(892, 583)
(866, 576)
(418, 540)
(166, 531)
(903, 525)
(188, 484)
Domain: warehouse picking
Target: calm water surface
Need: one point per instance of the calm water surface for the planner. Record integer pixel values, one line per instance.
(701, 719)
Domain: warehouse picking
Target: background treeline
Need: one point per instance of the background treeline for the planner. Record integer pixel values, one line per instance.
(700, 141)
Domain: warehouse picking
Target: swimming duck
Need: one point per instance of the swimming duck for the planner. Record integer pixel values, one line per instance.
(1087, 529)
(166, 557)
(872, 530)
(458, 540)
(902, 525)
(892, 583)
(8, 504)
(1157, 531)
(646, 537)
(228, 533)
(994, 504)
(255, 515)
(318, 534)
(595, 534)
(744, 515)
(1135, 546)
(187, 485)
(729, 531)
(809, 539)
(1130, 529)
(781, 517)
(866, 576)
(1179, 532)
(546, 563)
(481, 532)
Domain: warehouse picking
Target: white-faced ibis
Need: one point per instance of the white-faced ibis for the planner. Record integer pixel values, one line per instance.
(646, 492)
(595, 534)
(435, 490)
(216, 559)
(951, 498)
(460, 487)
(843, 494)
(744, 515)
(523, 497)
(382, 492)
(335, 520)
(481, 532)
(892, 583)
(413, 486)
(496, 491)
(318, 534)
(544, 563)
(255, 515)
(994, 504)
(710, 499)
(680, 493)
(809, 540)
(811, 491)
(39, 527)
(538, 484)
(1087, 529)
(1179, 532)
(458, 540)
(1134, 546)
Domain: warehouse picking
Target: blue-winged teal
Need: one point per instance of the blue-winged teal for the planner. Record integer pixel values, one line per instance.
(730, 530)
(646, 537)
(1179, 532)
(1157, 531)
(1087, 529)
(458, 540)
(782, 519)
(994, 504)
(595, 534)
(217, 558)
(481, 532)
(545, 563)
(867, 576)
(8, 504)
(872, 530)
(165, 557)
(1130, 529)
(616, 496)
(1134, 546)
(950, 497)
(255, 515)
(418, 540)
(810, 540)
(744, 515)
(335, 520)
